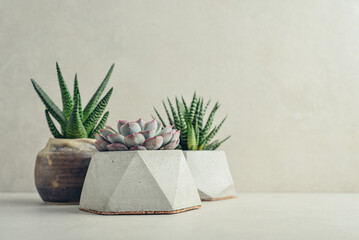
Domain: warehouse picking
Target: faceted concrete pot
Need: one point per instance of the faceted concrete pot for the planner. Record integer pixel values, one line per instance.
(211, 173)
(139, 182)
(61, 168)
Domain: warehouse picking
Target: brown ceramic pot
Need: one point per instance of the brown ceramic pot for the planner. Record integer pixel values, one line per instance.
(61, 168)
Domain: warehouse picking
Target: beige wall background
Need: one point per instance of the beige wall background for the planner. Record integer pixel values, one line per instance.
(286, 72)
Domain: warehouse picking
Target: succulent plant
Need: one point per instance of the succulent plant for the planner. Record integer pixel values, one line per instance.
(74, 121)
(195, 135)
(138, 135)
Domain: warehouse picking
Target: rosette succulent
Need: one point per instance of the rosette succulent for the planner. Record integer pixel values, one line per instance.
(196, 134)
(138, 135)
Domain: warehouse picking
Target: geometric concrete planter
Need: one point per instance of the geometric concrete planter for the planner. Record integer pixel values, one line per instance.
(211, 173)
(139, 182)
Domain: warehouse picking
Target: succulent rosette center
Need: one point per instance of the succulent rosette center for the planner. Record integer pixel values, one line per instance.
(138, 135)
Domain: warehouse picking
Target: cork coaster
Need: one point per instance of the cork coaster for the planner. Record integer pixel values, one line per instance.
(62, 203)
(216, 199)
(141, 212)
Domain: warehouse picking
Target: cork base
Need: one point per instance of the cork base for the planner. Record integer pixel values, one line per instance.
(141, 212)
(216, 199)
(62, 203)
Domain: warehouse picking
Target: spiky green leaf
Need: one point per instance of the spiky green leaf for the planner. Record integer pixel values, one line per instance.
(95, 115)
(100, 125)
(206, 107)
(95, 98)
(67, 102)
(50, 105)
(75, 128)
(200, 115)
(208, 125)
(192, 110)
(214, 147)
(181, 118)
(77, 95)
(174, 114)
(159, 117)
(52, 126)
(191, 139)
(168, 114)
(184, 105)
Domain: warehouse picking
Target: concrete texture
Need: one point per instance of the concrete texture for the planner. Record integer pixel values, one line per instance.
(250, 216)
(139, 181)
(286, 72)
(211, 173)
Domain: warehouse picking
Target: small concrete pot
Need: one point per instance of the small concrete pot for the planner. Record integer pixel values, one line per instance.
(139, 182)
(61, 168)
(211, 173)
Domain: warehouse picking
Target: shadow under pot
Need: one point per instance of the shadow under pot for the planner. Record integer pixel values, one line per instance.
(61, 168)
(211, 173)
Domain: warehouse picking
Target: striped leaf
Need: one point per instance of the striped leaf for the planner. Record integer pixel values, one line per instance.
(95, 115)
(159, 117)
(200, 115)
(168, 114)
(192, 109)
(67, 102)
(50, 105)
(212, 133)
(214, 147)
(97, 95)
(208, 125)
(74, 128)
(182, 123)
(192, 144)
(174, 114)
(184, 105)
(77, 95)
(52, 126)
(100, 125)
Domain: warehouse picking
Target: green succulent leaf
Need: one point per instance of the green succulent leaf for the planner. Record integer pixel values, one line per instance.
(75, 128)
(67, 102)
(205, 108)
(184, 104)
(100, 125)
(208, 125)
(192, 144)
(52, 126)
(95, 98)
(192, 110)
(159, 117)
(50, 105)
(215, 146)
(95, 115)
(200, 115)
(208, 138)
(168, 114)
(190, 120)
(174, 114)
(77, 95)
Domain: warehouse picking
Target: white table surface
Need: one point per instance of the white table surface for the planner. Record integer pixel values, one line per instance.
(249, 216)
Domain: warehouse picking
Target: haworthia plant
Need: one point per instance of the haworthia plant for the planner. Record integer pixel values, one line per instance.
(74, 121)
(189, 119)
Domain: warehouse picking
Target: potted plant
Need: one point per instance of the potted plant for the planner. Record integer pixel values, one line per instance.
(61, 166)
(124, 178)
(209, 168)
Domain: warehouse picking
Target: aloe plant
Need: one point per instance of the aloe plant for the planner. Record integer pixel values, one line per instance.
(74, 121)
(189, 119)
(138, 135)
